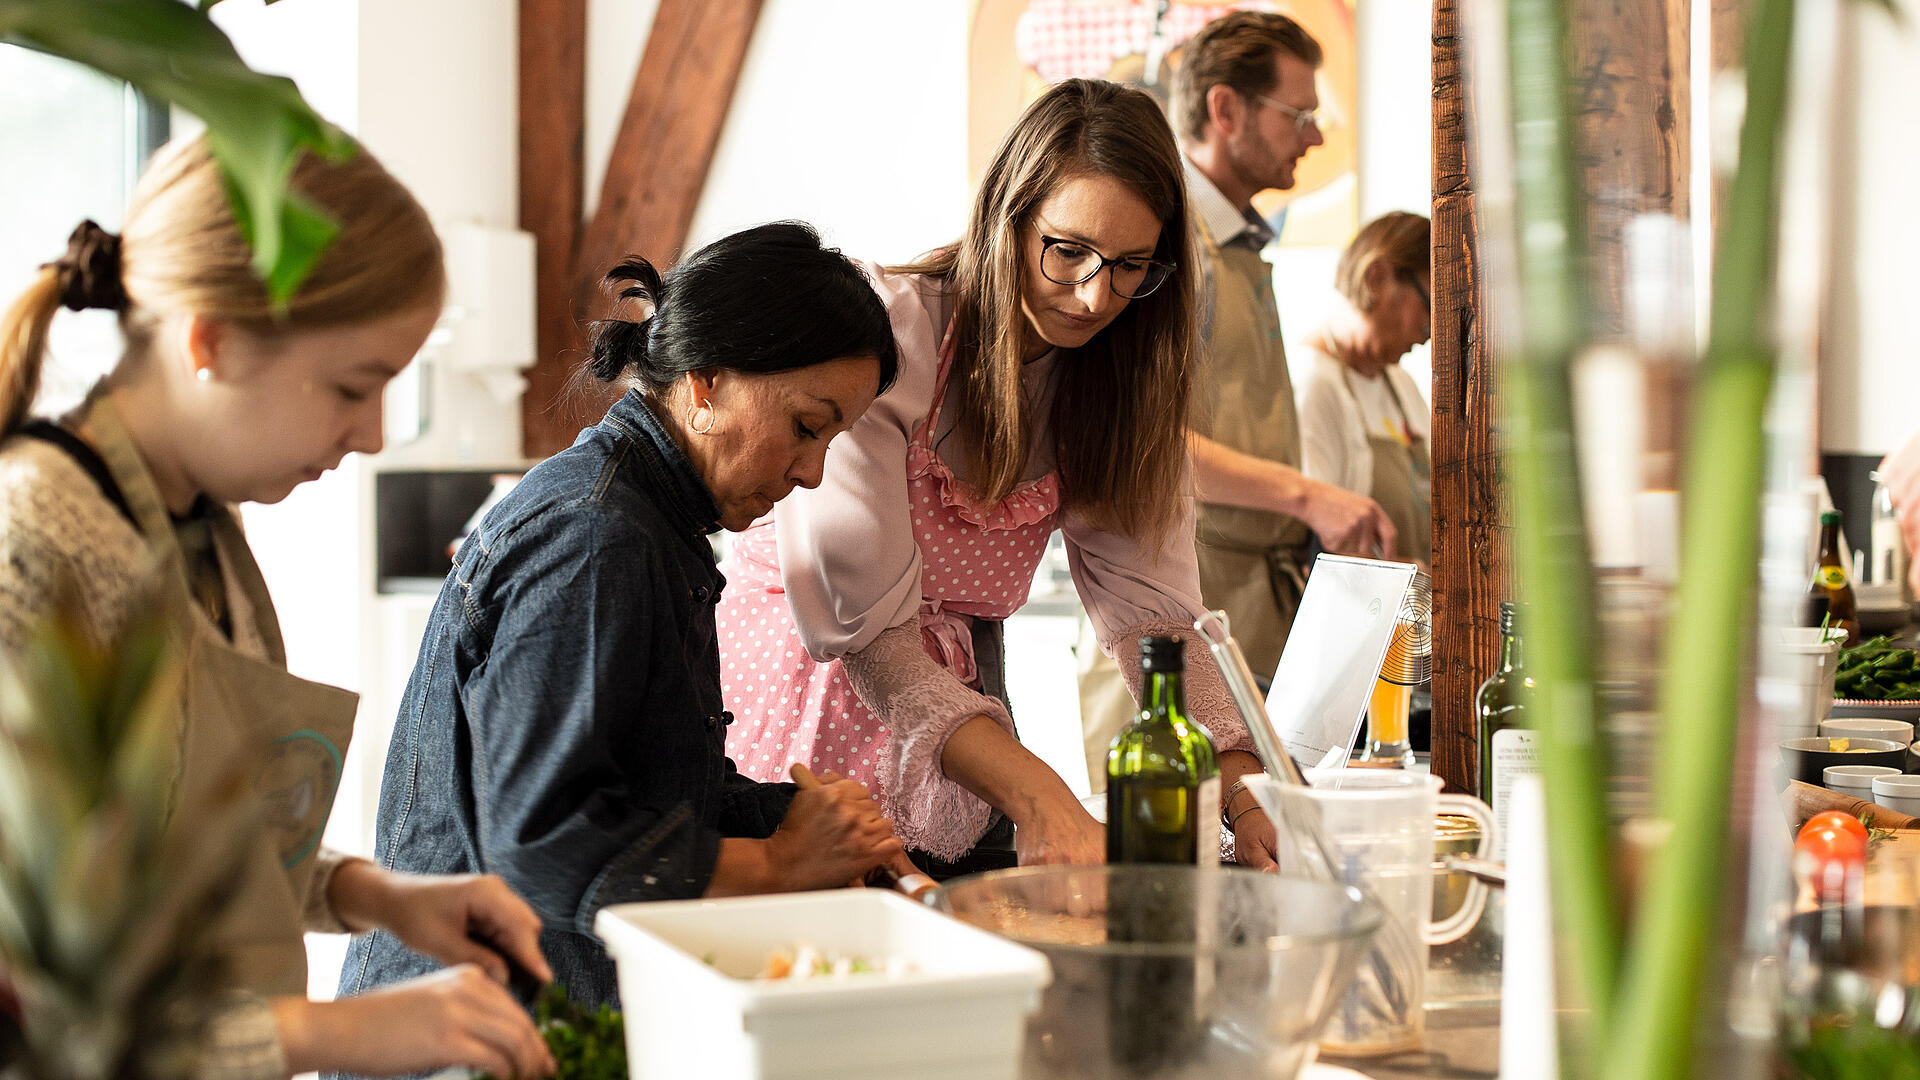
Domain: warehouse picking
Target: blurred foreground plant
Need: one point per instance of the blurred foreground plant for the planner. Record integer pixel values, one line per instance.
(103, 906)
(1643, 984)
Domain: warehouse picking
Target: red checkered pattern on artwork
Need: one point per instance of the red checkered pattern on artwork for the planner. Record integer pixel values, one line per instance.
(1065, 39)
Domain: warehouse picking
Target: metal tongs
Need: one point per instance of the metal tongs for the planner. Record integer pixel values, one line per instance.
(1383, 994)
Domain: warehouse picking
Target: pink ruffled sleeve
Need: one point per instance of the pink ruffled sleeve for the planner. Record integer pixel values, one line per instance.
(850, 565)
(922, 704)
(1131, 589)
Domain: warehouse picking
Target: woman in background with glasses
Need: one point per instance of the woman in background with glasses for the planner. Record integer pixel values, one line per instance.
(1046, 360)
(1363, 424)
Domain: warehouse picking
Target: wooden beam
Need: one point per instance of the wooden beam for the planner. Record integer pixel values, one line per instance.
(553, 103)
(680, 99)
(675, 112)
(1470, 519)
(1630, 93)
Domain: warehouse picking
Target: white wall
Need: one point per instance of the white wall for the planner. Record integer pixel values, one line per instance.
(1869, 381)
(850, 115)
(1395, 162)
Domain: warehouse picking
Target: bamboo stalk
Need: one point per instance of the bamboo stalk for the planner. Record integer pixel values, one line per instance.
(1550, 543)
(1708, 642)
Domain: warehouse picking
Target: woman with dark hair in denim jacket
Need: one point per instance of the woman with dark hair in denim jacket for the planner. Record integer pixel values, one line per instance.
(564, 727)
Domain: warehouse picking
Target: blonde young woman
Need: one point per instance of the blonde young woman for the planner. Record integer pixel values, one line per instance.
(1045, 366)
(1363, 424)
(218, 399)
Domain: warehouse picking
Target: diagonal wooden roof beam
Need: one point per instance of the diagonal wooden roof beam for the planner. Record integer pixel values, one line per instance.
(675, 112)
(681, 95)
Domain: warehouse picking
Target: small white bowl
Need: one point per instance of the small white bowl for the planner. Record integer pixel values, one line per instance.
(1855, 780)
(1900, 793)
(1866, 727)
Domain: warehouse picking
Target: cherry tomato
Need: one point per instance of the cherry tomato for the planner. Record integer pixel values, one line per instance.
(1833, 857)
(1835, 819)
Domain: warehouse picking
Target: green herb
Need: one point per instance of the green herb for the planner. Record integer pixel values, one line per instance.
(1875, 834)
(587, 1045)
(1839, 1050)
(1877, 670)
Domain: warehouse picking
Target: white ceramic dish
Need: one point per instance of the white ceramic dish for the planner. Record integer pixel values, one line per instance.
(1867, 727)
(693, 1008)
(1881, 710)
(1855, 780)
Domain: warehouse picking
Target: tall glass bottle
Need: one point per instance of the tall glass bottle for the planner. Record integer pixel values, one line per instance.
(1830, 596)
(1506, 742)
(1163, 778)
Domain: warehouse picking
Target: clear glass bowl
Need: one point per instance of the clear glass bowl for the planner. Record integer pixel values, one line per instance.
(1168, 972)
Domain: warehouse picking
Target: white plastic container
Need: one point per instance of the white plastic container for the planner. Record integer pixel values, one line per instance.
(694, 1009)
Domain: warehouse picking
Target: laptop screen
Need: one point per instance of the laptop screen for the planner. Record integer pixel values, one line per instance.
(1333, 654)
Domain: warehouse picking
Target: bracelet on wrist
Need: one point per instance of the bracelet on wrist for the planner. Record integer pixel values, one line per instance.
(1227, 816)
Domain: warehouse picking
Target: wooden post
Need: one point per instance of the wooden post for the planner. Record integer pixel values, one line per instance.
(1469, 512)
(1630, 70)
(1631, 81)
(553, 106)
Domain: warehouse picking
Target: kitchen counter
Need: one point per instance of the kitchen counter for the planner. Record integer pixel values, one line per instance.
(1462, 1044)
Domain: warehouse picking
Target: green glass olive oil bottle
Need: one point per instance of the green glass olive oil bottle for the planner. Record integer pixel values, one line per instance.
(1163, 778)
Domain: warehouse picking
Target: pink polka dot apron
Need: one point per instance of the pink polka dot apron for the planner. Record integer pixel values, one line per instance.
(977, 562)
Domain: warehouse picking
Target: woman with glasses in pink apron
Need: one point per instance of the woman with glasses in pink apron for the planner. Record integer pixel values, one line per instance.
(1045, 365)
(221, 397)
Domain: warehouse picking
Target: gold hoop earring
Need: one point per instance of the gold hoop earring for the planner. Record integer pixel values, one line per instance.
(693, 419)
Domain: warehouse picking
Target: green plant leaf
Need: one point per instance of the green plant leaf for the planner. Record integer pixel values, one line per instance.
(257, 125)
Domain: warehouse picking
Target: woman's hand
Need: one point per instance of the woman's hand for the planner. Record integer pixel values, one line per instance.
(1053, 833)
(451, 1018)
(1255, 841)
(453, 918)
(832, 834)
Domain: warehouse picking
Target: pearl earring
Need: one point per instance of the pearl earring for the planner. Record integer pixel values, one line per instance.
(204, 374)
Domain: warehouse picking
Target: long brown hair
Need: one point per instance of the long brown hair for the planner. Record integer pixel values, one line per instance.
(181, 253)
(1120, 402)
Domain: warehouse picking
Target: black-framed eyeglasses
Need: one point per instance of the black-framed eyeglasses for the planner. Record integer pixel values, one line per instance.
(1070, 262)
(1302, 118)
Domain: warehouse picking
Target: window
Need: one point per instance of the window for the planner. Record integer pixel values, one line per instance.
(76, 142)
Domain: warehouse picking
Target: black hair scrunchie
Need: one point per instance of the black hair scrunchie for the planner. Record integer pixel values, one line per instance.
(89, 273)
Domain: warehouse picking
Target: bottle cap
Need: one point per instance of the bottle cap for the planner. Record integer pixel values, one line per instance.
(1830, 517)
(1509, 612)
(1163, 653)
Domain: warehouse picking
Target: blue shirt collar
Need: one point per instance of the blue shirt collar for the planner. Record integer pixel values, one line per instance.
(680, 488)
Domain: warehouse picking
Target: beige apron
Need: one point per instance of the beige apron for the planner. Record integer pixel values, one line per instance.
(1251, 561)
(239, 699)
(1402, 481)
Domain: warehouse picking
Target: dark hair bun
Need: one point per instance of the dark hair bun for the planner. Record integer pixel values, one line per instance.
(617, 346)
(762, 300)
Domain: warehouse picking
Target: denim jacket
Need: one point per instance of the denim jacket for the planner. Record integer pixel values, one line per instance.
(563, 726)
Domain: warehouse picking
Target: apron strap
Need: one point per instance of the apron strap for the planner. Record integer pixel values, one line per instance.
(87, 458)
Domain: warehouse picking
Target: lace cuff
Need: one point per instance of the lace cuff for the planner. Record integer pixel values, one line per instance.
(1207, 699)
(319, 916)
(921, 704)
(242, 1042)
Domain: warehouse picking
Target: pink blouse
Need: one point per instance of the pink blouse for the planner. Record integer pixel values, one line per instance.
(850, 564)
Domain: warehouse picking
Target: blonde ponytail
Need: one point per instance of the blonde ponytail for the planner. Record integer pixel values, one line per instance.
(23, 347)
(181, 253)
